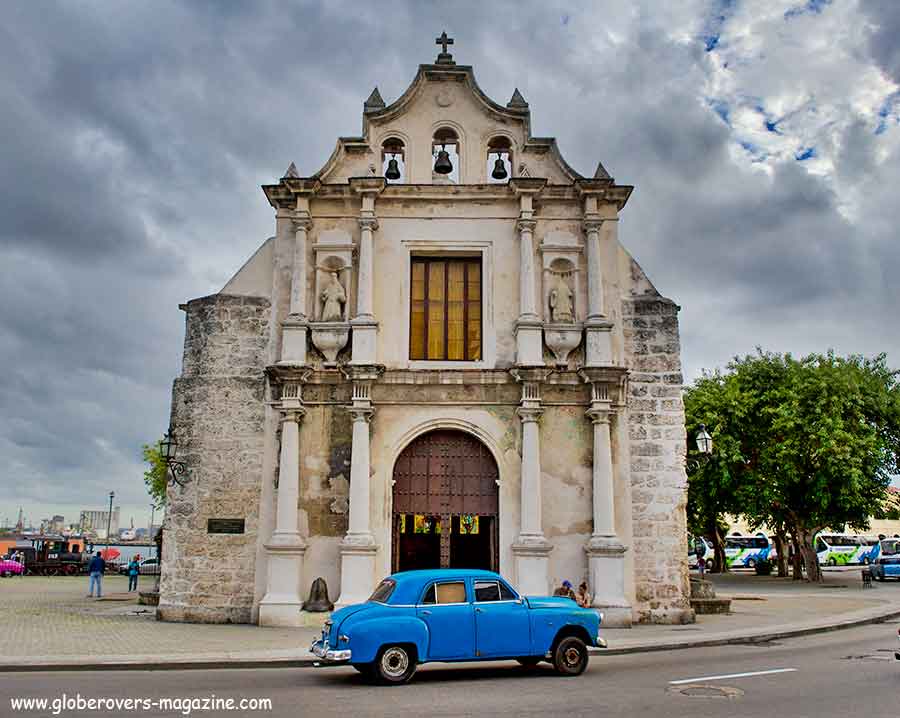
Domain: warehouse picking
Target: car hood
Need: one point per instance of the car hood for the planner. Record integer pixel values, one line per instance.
(551, 602)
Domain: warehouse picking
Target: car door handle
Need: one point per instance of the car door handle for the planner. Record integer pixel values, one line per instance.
(478, 610)
(426, 613)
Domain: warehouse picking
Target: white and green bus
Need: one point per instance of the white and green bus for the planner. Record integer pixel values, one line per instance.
(842, 549)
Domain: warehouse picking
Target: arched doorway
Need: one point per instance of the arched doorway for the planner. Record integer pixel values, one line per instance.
(446, 503)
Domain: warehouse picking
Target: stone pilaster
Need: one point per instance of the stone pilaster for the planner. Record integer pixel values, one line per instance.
(296, 325)
(282, 602)
(364, 324)
(605, 551)
(528, 327)
(531, 549)
(358, 548)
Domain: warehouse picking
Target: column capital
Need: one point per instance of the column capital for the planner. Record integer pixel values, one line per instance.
(361, 413)
(592, 224)
(599, 414)
(526, 225)
(302, 222)
(370, 223)
(362, 372)
(529, 414)
(294, 414)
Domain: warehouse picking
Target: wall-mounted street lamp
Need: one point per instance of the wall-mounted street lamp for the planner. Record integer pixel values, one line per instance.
(704, 447)
(168, 448)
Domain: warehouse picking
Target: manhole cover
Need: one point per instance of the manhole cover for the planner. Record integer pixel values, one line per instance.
(701, 690)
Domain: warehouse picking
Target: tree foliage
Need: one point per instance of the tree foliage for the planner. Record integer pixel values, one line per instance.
(799, 444)
(156, 475)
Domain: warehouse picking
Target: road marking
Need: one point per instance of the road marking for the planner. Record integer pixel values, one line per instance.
(732, 675)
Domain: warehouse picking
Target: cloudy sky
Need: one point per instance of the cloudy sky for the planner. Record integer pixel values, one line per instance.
(762, 138)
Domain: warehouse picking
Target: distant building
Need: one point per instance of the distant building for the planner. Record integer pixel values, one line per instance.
(57, 524)
(95, 522)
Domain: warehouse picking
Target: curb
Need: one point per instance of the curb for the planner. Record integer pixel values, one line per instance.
(224, 662)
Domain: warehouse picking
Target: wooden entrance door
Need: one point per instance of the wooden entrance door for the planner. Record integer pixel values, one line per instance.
(446, 504)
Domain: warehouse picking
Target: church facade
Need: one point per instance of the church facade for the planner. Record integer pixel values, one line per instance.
(444, 357)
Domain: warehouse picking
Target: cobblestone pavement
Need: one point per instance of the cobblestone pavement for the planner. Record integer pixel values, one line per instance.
(50, 617)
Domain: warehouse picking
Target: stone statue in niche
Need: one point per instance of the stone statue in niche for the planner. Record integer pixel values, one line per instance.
(333, 299)
(561, 307)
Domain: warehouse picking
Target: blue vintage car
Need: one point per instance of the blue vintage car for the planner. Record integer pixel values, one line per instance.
(418, 617)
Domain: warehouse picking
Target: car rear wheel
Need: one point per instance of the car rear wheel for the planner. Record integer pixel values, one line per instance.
(528, 661)
(751, 563)
(832, 562)
(395, 665)
(866, 561)
(570, 657)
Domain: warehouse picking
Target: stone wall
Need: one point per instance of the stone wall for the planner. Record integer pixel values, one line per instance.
(655, 417)
(218, 409)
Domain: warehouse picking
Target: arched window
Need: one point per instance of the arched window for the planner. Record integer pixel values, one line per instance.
(393, 160)
(445, 149)
(499, 160)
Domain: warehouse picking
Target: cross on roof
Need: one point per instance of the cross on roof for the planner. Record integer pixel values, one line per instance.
(443, 41)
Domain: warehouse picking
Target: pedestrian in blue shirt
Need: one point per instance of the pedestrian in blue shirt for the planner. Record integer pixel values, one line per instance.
(134, 568)
(96, 568)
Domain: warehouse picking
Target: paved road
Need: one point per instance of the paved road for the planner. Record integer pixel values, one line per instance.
(838, 674)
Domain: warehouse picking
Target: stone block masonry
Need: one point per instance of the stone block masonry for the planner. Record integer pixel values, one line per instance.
(218, 409)
(658, 479)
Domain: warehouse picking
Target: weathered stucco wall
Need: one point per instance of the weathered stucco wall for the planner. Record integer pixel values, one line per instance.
(218, 408)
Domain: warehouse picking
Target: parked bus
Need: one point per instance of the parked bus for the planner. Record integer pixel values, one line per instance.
(697, 547)
(746, 551)
(842, 549)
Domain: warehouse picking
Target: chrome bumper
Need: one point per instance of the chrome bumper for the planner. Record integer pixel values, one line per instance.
(321, 650)
(601, 642)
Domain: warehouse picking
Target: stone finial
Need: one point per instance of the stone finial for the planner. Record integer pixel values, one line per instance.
(601, 172)
(374, 102)
(517, 102)
(291, 171)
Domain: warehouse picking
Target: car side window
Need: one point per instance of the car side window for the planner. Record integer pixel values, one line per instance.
(429, 595)
(487, 591)
(506, 594)
(449, 592)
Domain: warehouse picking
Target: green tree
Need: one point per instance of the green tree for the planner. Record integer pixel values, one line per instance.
(156, 475)
(799, 444)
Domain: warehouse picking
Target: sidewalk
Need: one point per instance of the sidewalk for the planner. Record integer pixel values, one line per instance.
(50, 625)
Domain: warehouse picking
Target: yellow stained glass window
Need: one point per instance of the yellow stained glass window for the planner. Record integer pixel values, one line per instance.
(445, 309)
(468, 524)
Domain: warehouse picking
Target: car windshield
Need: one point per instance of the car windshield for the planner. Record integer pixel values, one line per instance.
(890, 548)
(383, 591)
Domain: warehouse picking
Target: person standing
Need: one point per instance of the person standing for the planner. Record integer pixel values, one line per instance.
(96, 568)
(134, 568)
(565, 590)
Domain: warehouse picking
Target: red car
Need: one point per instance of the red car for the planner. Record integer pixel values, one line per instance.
(11, 568)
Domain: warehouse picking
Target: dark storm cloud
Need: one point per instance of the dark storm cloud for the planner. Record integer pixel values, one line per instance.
(136, 137)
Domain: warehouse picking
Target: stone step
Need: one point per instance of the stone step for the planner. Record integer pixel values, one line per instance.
(706, 606)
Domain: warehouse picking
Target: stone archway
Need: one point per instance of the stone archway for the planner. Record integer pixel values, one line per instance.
(445, 503)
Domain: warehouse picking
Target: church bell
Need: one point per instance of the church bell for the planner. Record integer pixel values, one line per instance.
(442, 164)
(499, 172)
(393, 169)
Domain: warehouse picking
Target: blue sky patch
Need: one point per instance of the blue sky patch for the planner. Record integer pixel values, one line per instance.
(805, 154)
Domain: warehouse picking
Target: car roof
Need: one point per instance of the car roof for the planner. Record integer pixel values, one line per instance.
(410, 583)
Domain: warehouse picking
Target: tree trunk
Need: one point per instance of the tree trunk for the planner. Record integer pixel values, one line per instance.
(796, 559)
(781, 552)
(810, 558)
(721, 563)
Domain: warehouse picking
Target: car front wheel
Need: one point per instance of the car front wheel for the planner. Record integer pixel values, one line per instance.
(395, 665)
(570, 657)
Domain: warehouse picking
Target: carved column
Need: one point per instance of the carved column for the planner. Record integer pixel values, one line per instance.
(595, 268)
(358, 548)
(606, 554)
(293, 350)
(531, 549)
(286, 548)
(364, 324)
